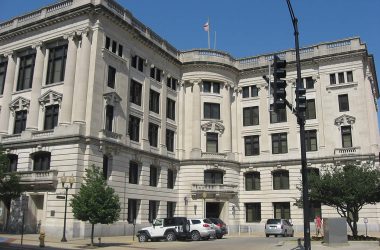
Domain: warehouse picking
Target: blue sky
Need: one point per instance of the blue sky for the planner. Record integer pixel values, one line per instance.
(246, 27)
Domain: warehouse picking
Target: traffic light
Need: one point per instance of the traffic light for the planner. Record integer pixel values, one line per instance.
(279, 84)
(301, 99)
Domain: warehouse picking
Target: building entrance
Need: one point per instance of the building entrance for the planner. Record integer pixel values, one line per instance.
(213, 209)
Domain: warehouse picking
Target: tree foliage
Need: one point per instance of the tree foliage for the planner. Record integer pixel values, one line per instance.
(347, 189)
(10, 187)
(96, 202)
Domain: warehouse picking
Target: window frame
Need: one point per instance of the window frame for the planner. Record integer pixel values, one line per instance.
(170, 109)
(132, 210)
(255, 209)
(109, 118)
(153, 134)
(169, 140)
(310, 113)
(279, 116)
(133, 172)
(212, 176)
(284, 207)
(252, 181)
(251, 116)
(135, 95)
(52, 59)
(211, 110)
(281, 180)
(3, 74)
(282, 140)
(346, 133)
(153, 176)
(344, 104)
(111, 77)
(212, 141)
(311, 135)
(252, 142)
(170, 181)
(25, 77)
(153, 209)
(12, 163)
(51, 116)
(134, 128)
(154, 101)
(20, 121)
(43, 159)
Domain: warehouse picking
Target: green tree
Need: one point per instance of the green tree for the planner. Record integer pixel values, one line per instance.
(347, 189)
(10, 187)
(96, 202)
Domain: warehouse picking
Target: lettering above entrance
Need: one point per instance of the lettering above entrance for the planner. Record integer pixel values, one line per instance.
(213, 191)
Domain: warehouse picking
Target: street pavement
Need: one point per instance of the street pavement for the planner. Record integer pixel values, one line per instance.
(235, 242)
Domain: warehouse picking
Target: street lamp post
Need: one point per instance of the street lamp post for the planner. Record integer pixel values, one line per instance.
(64, 181)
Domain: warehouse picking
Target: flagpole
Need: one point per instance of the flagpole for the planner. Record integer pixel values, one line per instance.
(215, 40)
(208, 32)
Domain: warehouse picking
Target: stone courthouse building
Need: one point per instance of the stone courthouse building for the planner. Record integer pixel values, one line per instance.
(185, 133)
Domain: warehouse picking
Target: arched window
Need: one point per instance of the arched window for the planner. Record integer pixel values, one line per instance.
(252, 181)
(280, 179)
(41, 161)
(213, 177)
(12, 164)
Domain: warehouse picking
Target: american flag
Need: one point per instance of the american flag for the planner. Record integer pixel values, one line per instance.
(206, 26)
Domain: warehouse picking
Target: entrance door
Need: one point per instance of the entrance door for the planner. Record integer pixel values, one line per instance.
(213, 209)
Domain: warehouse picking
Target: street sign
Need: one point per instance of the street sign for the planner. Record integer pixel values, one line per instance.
(62, 197)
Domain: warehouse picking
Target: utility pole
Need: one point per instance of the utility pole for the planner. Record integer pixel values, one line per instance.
(300, 107)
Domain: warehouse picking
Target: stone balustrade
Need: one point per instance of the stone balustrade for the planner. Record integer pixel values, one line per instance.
(347, 151)
(44, 179)
(209, 155)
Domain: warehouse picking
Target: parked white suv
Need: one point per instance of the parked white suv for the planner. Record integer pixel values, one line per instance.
(201, 229)
(168, 228)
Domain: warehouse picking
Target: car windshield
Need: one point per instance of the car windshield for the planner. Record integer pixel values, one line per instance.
(274, 221)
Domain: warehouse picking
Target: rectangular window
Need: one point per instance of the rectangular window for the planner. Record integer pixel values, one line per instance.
(56, 64)
(254, 91)
(135, 92)
(170, 109)
(12, 163)
(20, 121)
(3, 73)
(114, 46)
(310, 109)
(216, 87)
(138, 63)
(280, 180)
(172, 83)
(213, 177)
(26, 70)
(309, 83)
(279, 143)
(132, 210)
(246, 92)
(170, 140)
(278, 116)
(134, 128)
(350, 77)
(170, 209)
(170, 179)
(212, 142)
(105, 166)
(281, 210)
(252, 212)
(154, 101)
(332, 79)
(252, 145)
(111, 77)
(120, 50)
(211, 110)
(341, 77)
(343, 103)
(108, 43)
(51, 116)
(153, 134)
(41, 161)
(311, 140)
(252, 181)
(346, 136)
(155, 73)
(153, 208)
(109, 118)
(250, 116)
(133, 173)
(206, 87)
(153, 176)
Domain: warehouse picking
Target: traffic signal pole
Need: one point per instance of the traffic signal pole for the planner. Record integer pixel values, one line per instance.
(301, 122)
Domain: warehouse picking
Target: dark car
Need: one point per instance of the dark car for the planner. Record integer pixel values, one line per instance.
(221, 225)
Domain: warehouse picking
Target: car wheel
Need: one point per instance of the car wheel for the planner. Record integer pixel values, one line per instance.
(143, 238)
(219, 236)
(267, 235)
(195, 236)
(170, 236)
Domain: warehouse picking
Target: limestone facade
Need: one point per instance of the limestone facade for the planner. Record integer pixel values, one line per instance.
(185, 133)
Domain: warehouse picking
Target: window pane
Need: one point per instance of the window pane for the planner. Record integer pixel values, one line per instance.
(341, 77)
(206, 86)
(350, 77)
(216, 87)
(343, 103)
(212, 142)
(332, 79)
(310, 109)
(245, 92)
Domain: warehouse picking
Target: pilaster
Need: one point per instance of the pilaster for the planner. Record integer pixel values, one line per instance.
(7, 95)
(196, 139)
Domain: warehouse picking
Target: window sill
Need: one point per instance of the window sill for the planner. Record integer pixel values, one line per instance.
(251, 98)
(342, 86)
(52, 84)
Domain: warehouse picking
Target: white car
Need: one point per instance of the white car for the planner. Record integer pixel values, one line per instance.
(201, 229)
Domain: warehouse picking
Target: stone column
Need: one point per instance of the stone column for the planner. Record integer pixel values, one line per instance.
(226, 116)
(33, 114)
(81, 78)
(180, 115)
(69, 80)
(7, 95)
(196, 139)
(164, 95)
(145, 103)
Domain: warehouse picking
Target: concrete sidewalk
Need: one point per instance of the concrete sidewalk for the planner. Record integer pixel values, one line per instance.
(30, 241)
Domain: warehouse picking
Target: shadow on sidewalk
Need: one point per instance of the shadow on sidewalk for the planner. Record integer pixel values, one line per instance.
(299, 245)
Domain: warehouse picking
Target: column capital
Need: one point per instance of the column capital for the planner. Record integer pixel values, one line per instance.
(84, 32)
(9, 53)
(315, 77)
(38, 45)
(196, 81)
(70, 36)
(228, 85)
(237, 89)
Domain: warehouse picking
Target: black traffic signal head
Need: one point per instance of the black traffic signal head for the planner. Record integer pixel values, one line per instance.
(279, 84)
(301, 99)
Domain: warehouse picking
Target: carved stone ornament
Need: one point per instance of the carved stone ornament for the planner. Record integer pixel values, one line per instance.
(213, 126)
(50, 97)
(112, 98)
(20, 103)
(344, 120)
